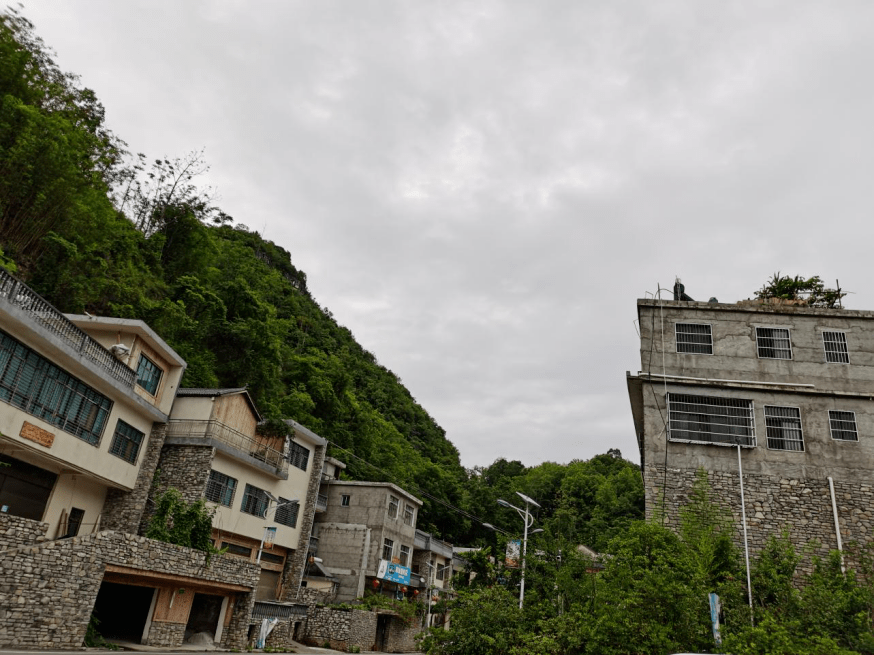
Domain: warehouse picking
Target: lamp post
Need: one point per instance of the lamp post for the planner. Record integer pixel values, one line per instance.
(525, 515)
(270, 498)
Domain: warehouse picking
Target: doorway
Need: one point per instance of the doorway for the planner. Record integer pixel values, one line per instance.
(382, 621)
(204, 616)
(122, 610)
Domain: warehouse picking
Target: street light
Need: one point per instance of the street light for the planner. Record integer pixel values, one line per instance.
(525, 515)
(274, 499)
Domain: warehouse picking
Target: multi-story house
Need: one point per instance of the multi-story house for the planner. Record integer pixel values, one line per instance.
(784, 393)
(432, 574)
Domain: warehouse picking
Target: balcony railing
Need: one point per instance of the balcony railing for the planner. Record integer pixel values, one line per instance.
(230, 437)
(424, 541)
(41, 311)
(322, 503)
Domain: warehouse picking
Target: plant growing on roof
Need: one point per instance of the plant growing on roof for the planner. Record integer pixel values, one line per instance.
(811, 291)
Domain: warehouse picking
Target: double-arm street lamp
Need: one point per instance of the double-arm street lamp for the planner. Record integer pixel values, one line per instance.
(526, 516)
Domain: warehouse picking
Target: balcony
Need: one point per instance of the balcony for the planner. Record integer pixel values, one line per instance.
(236, 443)
(322, 503)
(42, 312)
(424, 541)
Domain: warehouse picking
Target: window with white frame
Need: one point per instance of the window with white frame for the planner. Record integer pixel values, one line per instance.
(694, 338)
(409, 514)
(220, 488)
(835, 344)
(405, 555)
(773, 343)
(286, 512)
(843, 425)
(393, 506)
(388, 547)
(783, 427)
(711, 420)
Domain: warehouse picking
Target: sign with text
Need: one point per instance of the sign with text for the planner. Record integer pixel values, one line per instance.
(393, 572)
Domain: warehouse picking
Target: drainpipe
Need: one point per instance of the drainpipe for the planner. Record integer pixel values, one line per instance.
(831, 488)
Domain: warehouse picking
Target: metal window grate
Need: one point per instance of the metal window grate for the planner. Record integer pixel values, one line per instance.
(694, 338)
(126, 442)
(287, 514)
(220, 488)
(298, 456)
(783, 426)
(254, 501)
(773, 343)
(835, 344)
(843, 425)
(711, 420)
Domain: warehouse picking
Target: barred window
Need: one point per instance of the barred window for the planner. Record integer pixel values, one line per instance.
(255, 501)
(441, 571)
(126, 442)
(409, 513)
(773, 343)
(35, 385)
(393, 506)
(711, 420)
(387, 548)
(220, 488)
(148, 374)
(344, 500)
(843, 425)
(405, 555)
(694, 338)
(783, 425)
(286, 514)
(298, 456)
(835, 344)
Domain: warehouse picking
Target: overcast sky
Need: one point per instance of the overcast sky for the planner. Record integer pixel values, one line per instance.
(481, 190)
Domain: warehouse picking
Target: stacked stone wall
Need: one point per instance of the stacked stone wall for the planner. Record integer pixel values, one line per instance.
(47, 592)
(800, 506)
(342, 629)
(166, 634)
(185, 468)
(402, 636)
(16, 532)
(123, 510)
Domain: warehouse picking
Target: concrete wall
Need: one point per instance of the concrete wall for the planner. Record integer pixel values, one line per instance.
(344, 549)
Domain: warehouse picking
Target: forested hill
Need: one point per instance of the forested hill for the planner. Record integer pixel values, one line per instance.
(93, 228)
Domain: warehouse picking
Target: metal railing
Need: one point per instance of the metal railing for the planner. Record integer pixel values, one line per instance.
(268, 610)
(227, 435)
(322, 503)
(44, 313)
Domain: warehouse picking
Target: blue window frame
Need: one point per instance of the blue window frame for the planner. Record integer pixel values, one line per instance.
(148, 375)
(126, 442)
(220, 488)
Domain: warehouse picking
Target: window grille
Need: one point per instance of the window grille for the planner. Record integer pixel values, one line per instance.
(35, 385)
(148, 374)
(236, 549)
(835, 344)
(441, 571)
(255, 501)
(694, 338)
(393, 507)
(298, 456)
(287, 514)
(405, 555)
(387, 548)
(220, 488)
(773, 343)
(783, 425)
(344, 500)
(711, 420)
(409, 513)
(843, 425)
(126, 442)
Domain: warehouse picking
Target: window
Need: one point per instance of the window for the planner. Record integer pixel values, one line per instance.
(344, 500)
(783, 425)
(148, 375)
(835, 344)
(843, 425)
(387, 548)
(773, 343)
(287, 514)
(272, 558)
(409, 514)
(694, 338)
(441, 571)
(236, 549)
(712, 420)
(254, 501)
(35, 385)
(393, 507)
(126, 442)
(298, 456)
(74, 522)
(220, 488)
(24, 488)
(405, 555)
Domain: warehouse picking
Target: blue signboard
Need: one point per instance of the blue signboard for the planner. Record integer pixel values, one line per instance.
(393, 572)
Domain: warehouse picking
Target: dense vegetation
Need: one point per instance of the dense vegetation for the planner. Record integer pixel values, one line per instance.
(93, 228)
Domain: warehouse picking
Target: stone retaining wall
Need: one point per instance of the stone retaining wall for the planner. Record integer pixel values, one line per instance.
(185, 468)
(16, 532)
(166, 634)
(402, 636)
